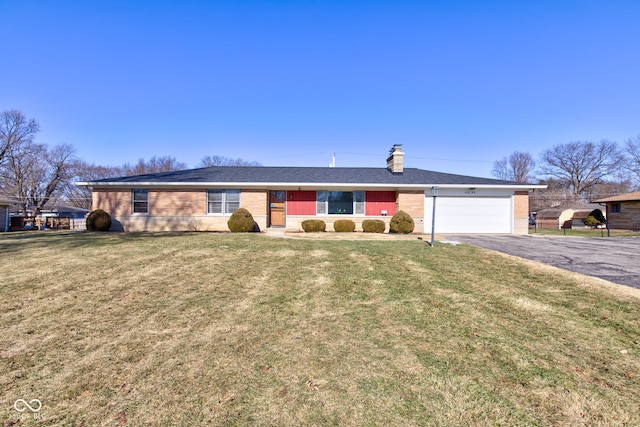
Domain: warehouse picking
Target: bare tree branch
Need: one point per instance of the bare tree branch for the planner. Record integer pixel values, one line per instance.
(208, 161)
(35, 175)
(581, 164)
(519, 167)
(154, 165)
(632, 152)
(16, 131)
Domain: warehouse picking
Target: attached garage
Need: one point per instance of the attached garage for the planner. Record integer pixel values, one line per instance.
(470, 212)
(465, 204)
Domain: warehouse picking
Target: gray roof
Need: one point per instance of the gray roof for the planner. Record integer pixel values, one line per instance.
(303, 175)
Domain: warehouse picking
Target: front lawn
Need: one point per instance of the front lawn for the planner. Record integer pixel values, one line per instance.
(223, 329)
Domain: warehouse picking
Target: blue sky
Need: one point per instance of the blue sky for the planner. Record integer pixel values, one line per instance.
(285, 83)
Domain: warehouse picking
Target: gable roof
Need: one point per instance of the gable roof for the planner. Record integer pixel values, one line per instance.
(627, 197)
(301, 176)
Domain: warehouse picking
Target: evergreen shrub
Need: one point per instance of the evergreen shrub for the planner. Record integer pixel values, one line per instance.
(313, 225)
(241, 221)
(98, 220)
(344, 226)
(598, 216)
(401, 223)
(373, 226)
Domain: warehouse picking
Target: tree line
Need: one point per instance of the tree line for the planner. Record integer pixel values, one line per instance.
(576, 172)
(36, 175)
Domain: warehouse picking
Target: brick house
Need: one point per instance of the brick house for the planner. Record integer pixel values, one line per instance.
(203, 199)
(623, 211)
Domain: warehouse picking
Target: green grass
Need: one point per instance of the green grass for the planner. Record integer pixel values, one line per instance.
(224, 329)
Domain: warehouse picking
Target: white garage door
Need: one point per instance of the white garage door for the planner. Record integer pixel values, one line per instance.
(470, 214)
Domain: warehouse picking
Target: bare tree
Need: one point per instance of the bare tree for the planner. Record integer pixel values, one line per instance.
(81, 197)
(582, 164)
(501, 170)
(521, 165)
(632, 154)
(154, 165)
(34, 176)
(609, 188)
(16, 131)
(556, 195)
(208, 161)
(518, 167)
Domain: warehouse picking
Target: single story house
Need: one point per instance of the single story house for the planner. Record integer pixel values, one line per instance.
(557, 218)
(64, 211)
(553, 218)
(203, 199)
(622, 211)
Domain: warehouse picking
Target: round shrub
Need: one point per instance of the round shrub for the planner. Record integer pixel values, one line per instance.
(591, 221)
(344, 226)
(241, 221)
(373, 226)
(98, 220)
(313, 225)
(401, 223)
(598, 216)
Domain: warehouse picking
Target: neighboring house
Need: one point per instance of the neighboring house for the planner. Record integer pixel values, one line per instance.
(66, 211)
(4, 215)
(203, 199)
(554, 218)
(623, 211)
(64, 217)
(580, 216)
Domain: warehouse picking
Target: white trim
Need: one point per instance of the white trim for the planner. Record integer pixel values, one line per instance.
(224, 202)
(133, 202)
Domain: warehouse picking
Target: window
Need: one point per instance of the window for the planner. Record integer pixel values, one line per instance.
(615, 208)
(223, 201)
(140, 201)
(340, 202)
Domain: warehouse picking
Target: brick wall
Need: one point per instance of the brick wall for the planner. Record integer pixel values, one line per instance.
(175, 210)
(412, 202)
(628, 218)
(255, 201)
(521, 212)
(177, 202)
(115, 202)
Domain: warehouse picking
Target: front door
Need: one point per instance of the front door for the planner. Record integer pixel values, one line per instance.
(276, 208)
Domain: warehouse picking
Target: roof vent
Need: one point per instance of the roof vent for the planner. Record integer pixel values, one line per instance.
(395, 161)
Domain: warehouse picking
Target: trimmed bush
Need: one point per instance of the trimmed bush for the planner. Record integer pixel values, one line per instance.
(591, 221)
(313, 226)
(373, 226)
(401, 223)
(598, 216)
(241, 221)
(344, 226)
(98, 220)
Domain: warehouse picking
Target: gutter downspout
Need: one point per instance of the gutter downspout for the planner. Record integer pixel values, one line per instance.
(6, 219)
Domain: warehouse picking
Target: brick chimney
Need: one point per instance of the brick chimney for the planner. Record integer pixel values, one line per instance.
(395, 161)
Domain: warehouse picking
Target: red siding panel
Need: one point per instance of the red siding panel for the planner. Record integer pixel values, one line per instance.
(378, 201)
(301, 202)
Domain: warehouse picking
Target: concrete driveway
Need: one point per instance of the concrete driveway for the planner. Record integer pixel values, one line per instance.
(616, 259)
